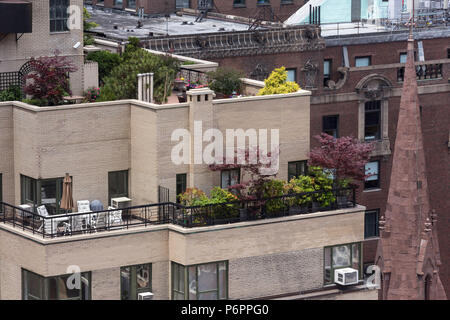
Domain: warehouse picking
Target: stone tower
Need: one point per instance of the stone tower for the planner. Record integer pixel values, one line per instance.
(408, 250)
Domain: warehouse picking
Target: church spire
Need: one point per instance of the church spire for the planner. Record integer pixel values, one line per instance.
(408, 251)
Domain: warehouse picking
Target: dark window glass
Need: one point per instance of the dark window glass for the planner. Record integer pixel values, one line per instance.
(117, 184)
(371, 219)
(131, 4)
(372, 169)
(296, 168)
(46, 192)
(330, 125)
(262, 1)
(230, 177)
(58, 15)
(63, 287)
(181, 184)
(134, 280)
(448, 53)
(182, 4)
(341, 256)
(200, 282)
(240, 3)
(372, 120)
(118, 3)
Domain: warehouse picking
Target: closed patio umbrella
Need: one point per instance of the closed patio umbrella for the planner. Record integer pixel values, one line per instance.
(66, 199)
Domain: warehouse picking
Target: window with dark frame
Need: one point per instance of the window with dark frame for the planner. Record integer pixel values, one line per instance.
(371, 219)
(179, 4)
(230, 177)
(117, 184)
(46, 192)
(330, 125)
(363, 61)
(118, 4)
(239, 3)
(181, 180)
(373, 181)
(200, 282)
(297, 168)
(342, 256)
(292, 74)
(134, 280)
(326, 71)
(131, 4)
(448, 53)
(58, 15)
(37, 287)
(262, 2)
(372, 120)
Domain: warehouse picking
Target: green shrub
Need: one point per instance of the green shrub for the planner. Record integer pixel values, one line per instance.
(324, 183)
(122, 81)
(36, 102)
(226, 80)
(106, 60)
(274, 188)
(277, 83)
(13, 93)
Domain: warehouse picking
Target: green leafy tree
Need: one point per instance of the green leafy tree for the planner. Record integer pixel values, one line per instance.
(87, 25)
(13, 93)
(226, 80)
(106, 60)
(277, 83)
(122, 81)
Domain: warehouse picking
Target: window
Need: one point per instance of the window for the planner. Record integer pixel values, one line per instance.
(296, 168)
(134, 280)
(100, 2)
(131, 4)
(117, 184)
(371, 218)
(182, 4)
(46, 192)
(448, 53)
(200, 282)
(330, 125)
(118, 3)
(372, 169)
(292, 75)
(362, 61)
(58, 15)
(262, 2)
(181, 184)
(229, 177)
(326, 71)
(403, 57)
(36, 287)
(342, 256)
(239, 3)
(372, 120)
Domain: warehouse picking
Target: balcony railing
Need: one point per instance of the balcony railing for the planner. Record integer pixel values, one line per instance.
(169, 212)
(423, 72)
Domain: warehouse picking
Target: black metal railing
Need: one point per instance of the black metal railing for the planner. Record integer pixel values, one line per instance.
(423, 72)
(168, 212)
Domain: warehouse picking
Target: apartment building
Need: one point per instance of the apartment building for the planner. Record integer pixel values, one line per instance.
(123, 149)
(32, 29)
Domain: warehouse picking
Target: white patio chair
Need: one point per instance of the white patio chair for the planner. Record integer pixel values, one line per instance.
(83, 206)
(101, 220)
(115, 217)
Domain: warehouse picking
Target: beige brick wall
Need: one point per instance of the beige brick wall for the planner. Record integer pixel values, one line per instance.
(13, 54)
(6, 153)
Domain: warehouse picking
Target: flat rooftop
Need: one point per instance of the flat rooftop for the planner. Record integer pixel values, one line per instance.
(121, 25)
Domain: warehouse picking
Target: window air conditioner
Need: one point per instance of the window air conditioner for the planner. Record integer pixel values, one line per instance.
(346, 276)
(145, 296)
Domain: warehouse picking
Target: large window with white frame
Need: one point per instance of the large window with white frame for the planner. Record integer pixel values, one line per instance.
(207, 281)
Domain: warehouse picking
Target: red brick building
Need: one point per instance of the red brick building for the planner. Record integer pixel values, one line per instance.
(356, 81)
(267, 9)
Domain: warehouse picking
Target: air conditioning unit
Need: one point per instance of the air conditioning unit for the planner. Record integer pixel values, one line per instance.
(346, 276)
(145, 296)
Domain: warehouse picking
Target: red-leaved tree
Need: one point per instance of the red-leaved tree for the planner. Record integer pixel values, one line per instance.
(345, 156)
(256, 173)
(48, 81)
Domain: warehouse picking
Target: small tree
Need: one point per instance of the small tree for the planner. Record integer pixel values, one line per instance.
(226, 80)
(345, 156)
(87, 25)
(49, 82)
(106, 60)
(277, 83)
(255, 185)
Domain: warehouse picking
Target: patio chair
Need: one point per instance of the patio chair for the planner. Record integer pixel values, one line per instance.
(83, 206)
(115, 217)
(101, 220)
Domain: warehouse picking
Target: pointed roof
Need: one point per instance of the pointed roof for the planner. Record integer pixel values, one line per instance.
(407, 236)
